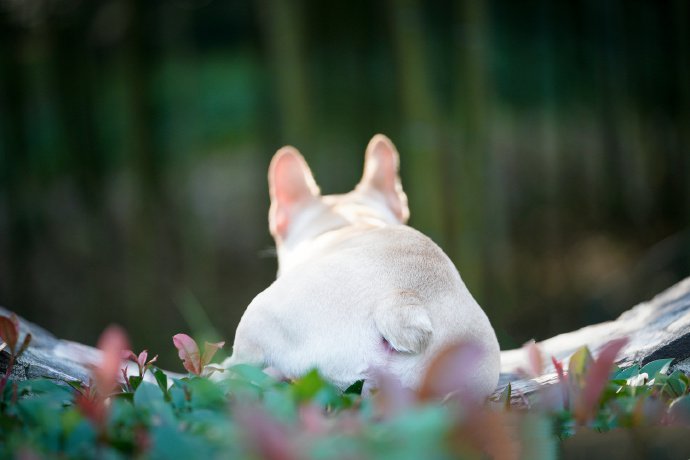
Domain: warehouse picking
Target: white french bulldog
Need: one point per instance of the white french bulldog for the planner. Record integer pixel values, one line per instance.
(357, 289)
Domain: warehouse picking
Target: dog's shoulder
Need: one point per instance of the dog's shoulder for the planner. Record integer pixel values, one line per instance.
(402, 241)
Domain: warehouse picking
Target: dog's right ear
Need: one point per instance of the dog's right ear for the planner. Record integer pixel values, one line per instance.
(291, 186)
(381, 164)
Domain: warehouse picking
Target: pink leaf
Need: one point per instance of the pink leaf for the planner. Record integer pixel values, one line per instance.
(141, 359)
(210, 349)
(124, 374)
(188, 352)
(265, 436)
(563, 382)
(559, 369)
(92, 408)
(451, 372)
(534, 358)
(129, 354)
(112, 342)
(596, 378)
(390, 397)
(9, 333)
(142, 364)
(313, 419)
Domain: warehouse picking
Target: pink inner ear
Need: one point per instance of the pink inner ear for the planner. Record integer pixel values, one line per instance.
(381, 174)
(384, 168)
(290, 180)
(279, 222)
(291, 186)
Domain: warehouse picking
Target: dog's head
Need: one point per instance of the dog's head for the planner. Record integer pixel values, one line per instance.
(299, 213)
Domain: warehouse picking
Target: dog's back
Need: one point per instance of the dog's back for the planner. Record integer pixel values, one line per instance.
(361, 291)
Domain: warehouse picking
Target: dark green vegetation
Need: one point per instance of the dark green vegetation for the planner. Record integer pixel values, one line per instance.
(248, 414)
(544, 145)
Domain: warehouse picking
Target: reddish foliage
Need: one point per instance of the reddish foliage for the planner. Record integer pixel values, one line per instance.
(92, 407)
(112, 343)
(596, 377)
(142, 364)
(492, 432)
(9, 332)
(210, 349)
(390, 397)
(192, 359)
(188, 351)
(9, 335)
(92, 400)
(450, 372)
(562, 380)
(267, 437)
(313, 419)
(535, 359)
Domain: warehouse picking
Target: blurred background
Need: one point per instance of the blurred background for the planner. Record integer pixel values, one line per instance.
(544, 145)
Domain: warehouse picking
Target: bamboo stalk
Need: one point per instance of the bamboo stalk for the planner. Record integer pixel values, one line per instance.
(423, 147)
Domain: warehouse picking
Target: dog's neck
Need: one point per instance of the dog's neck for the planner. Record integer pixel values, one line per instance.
(291, 254)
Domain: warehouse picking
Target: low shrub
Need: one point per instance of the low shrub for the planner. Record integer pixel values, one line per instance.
(245, 413)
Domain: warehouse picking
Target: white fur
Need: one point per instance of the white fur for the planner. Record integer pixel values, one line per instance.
(351, 274)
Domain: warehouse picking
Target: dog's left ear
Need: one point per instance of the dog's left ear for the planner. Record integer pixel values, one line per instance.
(381, 164)
(291, 187)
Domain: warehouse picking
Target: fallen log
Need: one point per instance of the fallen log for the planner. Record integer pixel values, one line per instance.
(48, 356)
(659, 328)
(656, 329)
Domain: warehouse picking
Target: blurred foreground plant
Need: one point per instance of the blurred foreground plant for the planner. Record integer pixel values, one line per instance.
(9, 334)
(249, 414)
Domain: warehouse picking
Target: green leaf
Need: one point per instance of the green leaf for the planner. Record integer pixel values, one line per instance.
(41, 410)
(625, 374)
(280, 404)
(355, 388)
(70, 419)
(135, 381)
(122, 411)
(80, 440)
(125, 395)
(505, 396)
(685, 379)
(252, 374)
(306, 387)
(418, 433)
(170, 443)
(161, 379)
(328, 396)
(43, 386)
(147, 395)
(150, 399)
(564, 424)
(537, 439)
(679, 410)
(76, 384)
(578, 365)
(205, 394)
(660, 366)
(675, 386)
(178, 397)
(241, 389)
